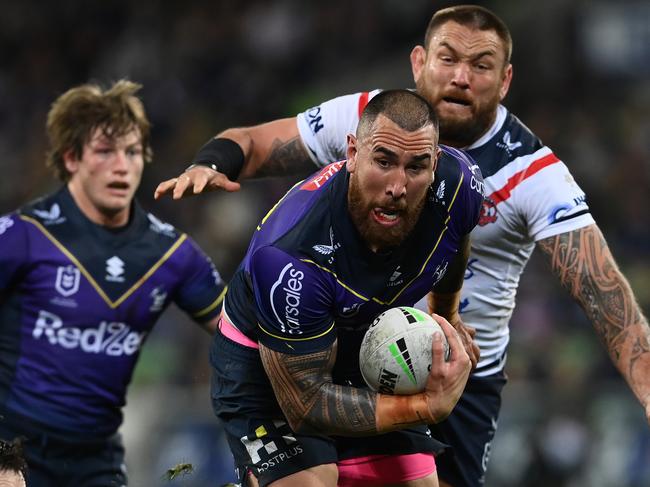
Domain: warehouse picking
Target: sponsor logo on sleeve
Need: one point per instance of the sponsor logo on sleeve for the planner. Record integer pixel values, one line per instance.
(314, 119)
(322, 177)
(286, 294)
(568, 210)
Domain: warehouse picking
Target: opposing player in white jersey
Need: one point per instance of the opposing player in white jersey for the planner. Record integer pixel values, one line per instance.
(464, 71)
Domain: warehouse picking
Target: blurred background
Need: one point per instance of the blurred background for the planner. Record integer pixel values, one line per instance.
(581, 82)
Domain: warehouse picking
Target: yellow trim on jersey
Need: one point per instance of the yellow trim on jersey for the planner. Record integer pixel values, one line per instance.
(453, 200)
(91, 280)
(214, 304)
(296, 339)
(391, 301)
(259, 227)
(309, 261)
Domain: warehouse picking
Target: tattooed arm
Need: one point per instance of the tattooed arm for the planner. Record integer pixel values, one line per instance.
(586, 268)
(270, 149)
(312, 403)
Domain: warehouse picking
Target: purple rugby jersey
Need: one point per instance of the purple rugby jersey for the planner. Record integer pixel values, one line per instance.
(77, 301)
(308, 278)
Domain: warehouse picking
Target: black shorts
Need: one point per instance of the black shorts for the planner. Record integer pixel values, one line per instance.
(54, 462)
(258, 434)
(469, 431)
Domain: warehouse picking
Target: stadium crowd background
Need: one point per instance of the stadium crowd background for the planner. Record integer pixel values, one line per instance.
(581, 82)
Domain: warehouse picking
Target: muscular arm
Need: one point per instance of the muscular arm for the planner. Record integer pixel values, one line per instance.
(303, 386)
(270, 149)
(585, 266)
(313, 404)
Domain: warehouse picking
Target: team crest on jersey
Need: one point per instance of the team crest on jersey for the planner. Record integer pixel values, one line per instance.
(67, 280)
(51, 216)
(322, 177)
(488, 212)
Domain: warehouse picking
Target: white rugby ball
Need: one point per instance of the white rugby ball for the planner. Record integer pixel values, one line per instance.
(395, 354)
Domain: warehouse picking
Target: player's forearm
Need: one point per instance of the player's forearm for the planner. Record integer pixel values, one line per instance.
(313, 404)
(445, 304)
(271, 149)
(585, 266)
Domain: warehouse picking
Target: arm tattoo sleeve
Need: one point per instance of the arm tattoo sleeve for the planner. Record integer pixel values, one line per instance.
(586, 268)
(287, 157)
(312, 403)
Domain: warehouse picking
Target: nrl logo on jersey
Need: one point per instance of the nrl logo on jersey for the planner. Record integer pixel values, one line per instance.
(115, 269)
(507, 144)
(51, 216)
(160, 226)
(67, 280)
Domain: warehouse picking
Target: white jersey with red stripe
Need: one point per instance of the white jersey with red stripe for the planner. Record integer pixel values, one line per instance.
(530, 195)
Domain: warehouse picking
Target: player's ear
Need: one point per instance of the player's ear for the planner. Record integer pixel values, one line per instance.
(418, 58)
(436, 158)
(351, 153)
(505, 84)
(71, 161)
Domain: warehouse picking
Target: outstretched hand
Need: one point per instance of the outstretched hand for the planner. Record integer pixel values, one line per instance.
(447, 379)
(198, 179)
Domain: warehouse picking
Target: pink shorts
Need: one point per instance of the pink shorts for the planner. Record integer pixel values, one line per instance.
(385, 469)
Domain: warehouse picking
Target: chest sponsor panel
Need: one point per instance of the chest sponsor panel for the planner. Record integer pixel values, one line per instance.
(112, 338)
